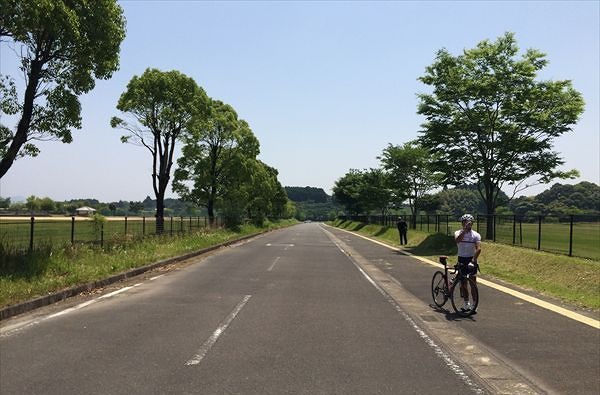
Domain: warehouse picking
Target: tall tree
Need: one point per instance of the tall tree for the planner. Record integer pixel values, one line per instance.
(215, 157)
(491, 123)
(410, 172)
(160, 105)
(375, 192)
(347, 192)
(62, 46)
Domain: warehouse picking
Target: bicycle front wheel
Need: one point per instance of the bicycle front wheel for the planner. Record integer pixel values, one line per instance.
(439, 290)
(465, 298)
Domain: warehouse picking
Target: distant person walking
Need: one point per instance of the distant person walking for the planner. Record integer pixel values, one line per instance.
(402, 229)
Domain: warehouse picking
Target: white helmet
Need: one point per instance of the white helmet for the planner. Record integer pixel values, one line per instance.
(467, 217)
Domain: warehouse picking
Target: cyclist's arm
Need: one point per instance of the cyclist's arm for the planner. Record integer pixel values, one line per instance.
(477, 250)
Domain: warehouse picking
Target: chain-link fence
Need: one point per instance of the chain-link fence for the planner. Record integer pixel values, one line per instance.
(573, 235)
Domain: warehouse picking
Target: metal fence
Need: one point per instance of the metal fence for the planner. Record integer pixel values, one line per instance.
(37, 232)
(572, 235)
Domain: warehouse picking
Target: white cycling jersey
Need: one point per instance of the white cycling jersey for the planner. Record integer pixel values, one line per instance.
(466, 248)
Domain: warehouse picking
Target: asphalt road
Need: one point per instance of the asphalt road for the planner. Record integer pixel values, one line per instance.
(303, 310)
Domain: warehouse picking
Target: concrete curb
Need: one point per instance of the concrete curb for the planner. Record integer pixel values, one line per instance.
(11, 311)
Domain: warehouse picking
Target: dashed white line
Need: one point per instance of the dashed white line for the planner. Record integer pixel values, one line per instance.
(273, 264)
(207, 345)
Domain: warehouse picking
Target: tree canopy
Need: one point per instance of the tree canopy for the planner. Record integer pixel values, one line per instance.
(303, 194)
(488, 120)
(160, 106)
(410, 173)
(63, 46)
(217, 157)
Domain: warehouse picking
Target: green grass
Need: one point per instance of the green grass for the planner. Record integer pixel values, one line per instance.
(573, 280)
(17, 232)
(47, 269)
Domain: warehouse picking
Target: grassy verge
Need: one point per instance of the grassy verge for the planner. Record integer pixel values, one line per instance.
(573, 280)
(23, 277)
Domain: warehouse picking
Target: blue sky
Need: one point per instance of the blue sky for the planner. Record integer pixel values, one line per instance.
(325, 86)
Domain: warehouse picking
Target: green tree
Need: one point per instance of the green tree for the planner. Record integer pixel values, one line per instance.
(217, 157)
(135, 207)
(347, 192)
(429, 203)
(375, 193)
(63, 46)
(458, 201)
(410, 173)
(160, 105)
(4, 202)
(32, 203)
(47, 204)
(489, 121)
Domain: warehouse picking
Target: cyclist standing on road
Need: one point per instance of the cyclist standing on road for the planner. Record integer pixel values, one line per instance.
(469, 248)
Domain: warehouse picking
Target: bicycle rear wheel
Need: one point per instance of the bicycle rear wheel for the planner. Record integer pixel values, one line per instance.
(465, 305)
(439, 290)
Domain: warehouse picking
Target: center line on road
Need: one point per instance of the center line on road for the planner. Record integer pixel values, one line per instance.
(196, 359)
(273, 264)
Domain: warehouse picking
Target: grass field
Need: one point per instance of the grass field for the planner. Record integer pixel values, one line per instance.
(570, 279)
(56, 231)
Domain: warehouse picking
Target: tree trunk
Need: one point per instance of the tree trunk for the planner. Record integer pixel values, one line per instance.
(160, 213)
(489, 220)
(210, 207)
(20, 137)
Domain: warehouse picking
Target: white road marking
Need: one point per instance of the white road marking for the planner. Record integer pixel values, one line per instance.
(9, 330)
(196, 359)
(155, 277)
(273, 264)
(452, 365)
(538, 302)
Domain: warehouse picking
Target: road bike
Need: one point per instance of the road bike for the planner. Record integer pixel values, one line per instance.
(462, 288)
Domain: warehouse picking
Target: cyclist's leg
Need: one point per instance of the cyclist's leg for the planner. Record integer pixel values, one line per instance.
(464, 290)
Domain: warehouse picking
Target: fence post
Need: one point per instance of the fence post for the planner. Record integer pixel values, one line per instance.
(181, 225)
(102, 235)
(125, 225)
(539, 232)
(143, 226)
(72, 230)
(521, 231)
(514, 228)
(190, 224)
(31, 234)
(171, 226)
(571, 238)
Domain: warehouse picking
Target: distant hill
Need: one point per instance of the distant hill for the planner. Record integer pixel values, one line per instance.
(312, 203)
(307, 194)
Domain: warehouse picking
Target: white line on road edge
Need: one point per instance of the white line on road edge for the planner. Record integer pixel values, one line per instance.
(196, 359)
(538, 302)
(9, 330)
(273, 265)
(428, 340)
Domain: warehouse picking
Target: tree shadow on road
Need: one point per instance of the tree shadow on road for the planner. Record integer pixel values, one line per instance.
(435, 244)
